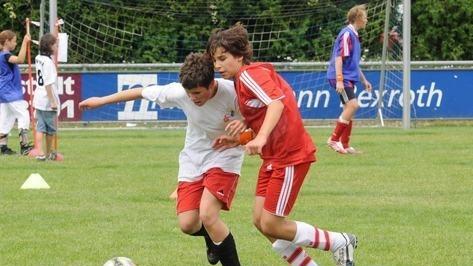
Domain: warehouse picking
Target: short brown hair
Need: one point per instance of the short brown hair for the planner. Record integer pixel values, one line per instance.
(356, 12)
(233, 40)
(6, 35)
(46, 43)
(197, 71)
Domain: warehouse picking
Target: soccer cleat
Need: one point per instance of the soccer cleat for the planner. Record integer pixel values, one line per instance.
(212, 253)
(25, 149)
(344, 255)
(212, 256)
(5, 150)
(336, 146)
(351, 150)
(41, 158)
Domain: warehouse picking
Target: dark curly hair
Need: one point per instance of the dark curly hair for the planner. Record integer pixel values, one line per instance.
(233, 40)
(197, 71)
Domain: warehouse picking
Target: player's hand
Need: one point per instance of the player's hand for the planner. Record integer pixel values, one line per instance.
(224, 142)
(54, 106)
(27, 38)
(255, 146)
(340, 87)
(368, 86)
(235, 127)
(90, 103)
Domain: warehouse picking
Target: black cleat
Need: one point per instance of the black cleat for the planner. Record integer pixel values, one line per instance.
(212, 256)
(7, 151)
(212, 252)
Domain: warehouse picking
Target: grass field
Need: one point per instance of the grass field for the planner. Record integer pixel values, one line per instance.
(409, 198)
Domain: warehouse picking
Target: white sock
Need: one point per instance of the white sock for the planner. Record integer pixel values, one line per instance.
(310, 236)
(294, 255)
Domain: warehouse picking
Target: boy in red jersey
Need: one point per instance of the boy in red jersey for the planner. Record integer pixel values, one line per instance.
(269, 108)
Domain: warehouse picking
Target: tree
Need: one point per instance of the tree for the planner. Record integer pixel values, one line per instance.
(442, 30)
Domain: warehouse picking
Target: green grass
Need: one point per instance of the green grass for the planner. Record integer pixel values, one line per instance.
(409, 198)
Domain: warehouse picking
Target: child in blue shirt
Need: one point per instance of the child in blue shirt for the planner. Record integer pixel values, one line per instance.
(343, 72)
(12, 105)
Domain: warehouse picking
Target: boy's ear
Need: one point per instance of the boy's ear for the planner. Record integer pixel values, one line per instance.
(212, 84)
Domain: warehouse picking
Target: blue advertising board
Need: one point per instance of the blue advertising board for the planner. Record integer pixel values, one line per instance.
(435, 94)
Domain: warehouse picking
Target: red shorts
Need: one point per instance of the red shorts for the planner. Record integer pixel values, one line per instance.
(280, 186)
(221, 184)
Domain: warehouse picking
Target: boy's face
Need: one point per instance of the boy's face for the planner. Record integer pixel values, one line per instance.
(200, 95)
(227, 64)
(54, 47)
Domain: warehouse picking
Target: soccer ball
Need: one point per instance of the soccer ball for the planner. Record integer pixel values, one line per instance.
(119, 261)
(246, 136)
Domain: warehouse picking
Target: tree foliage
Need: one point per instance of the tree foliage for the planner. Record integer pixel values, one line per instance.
(442, 30)
(167, 30)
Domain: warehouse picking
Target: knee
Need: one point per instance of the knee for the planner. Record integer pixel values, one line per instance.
(188, 227)
(208, 218)
(257, 223)
(354, 104)
(268, 227)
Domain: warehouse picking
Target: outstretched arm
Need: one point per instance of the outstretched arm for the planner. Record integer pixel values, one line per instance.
(122, 96)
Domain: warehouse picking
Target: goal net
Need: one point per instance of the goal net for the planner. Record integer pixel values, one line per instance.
(296, 35)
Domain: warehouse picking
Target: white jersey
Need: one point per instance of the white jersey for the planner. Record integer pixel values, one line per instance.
(204, 124)
(45, 75)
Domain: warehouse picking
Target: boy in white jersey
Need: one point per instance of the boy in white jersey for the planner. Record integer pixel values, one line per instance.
(46, 97)
(208, 167)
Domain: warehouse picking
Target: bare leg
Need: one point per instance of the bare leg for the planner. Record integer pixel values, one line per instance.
(49, 143)
(218, 231)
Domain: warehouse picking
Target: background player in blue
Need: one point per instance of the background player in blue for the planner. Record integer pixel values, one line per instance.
(12, 105)
(343, 73)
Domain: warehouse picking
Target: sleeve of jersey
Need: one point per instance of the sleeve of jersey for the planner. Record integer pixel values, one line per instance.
(260, 83)
(345, 45)
(167, 96)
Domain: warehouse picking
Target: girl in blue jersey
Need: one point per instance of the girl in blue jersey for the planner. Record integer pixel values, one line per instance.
(12, 105)
(343, 72)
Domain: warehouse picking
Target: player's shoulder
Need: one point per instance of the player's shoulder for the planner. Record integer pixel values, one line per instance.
(43, 59)
(226, 87)
(225, 84)
(344, 30)
(256, 72)
(170, 88)
(3, 53)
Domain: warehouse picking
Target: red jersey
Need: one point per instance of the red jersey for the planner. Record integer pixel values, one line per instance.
(257, 85)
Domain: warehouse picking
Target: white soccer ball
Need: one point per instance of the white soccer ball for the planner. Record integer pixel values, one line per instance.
(119, 261)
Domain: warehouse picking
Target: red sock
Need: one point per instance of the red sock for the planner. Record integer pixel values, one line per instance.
(345, 137)
(338, 131)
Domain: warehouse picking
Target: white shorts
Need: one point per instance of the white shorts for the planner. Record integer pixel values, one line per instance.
(9, 112)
